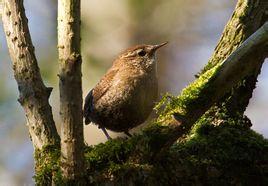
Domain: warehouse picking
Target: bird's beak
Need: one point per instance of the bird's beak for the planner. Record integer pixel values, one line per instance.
(155, 47)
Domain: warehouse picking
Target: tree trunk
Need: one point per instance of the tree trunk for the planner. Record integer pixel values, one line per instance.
(33, 93)
(72, 138)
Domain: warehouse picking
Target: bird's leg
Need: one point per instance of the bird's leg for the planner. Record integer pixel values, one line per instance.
(128, 134)
(106, 133)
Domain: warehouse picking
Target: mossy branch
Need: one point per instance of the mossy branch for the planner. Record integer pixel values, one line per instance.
(211, 86)
(246, 19)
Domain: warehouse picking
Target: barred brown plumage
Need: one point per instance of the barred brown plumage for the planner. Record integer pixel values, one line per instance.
(125, 95)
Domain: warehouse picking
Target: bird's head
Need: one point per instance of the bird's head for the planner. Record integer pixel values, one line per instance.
(141, 56)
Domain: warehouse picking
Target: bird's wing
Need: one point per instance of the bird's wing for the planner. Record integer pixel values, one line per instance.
(105, 83)
(98, 91)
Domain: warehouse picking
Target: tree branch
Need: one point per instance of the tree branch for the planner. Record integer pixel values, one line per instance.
(33, 93)
(72, 138)
(211, 86)
(246, 19)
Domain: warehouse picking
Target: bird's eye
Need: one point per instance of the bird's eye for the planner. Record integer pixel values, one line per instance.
(142, 53)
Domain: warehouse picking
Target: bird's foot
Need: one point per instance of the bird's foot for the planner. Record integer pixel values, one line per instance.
(106, 133)
(128, 134)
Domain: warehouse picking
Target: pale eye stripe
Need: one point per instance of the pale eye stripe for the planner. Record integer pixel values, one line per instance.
(130, 54)
(139, 50)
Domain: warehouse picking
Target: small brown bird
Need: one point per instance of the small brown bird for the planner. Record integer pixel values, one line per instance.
(125, 95)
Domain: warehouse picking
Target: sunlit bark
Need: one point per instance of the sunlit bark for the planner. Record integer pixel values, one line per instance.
(72, 138)
(33, 93)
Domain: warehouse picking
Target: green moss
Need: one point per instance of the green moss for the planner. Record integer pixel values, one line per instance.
(121, 150)
(211, 154)
(190, 97)
(228, 153)
(106, 154)
(220, 149)
(47, 166)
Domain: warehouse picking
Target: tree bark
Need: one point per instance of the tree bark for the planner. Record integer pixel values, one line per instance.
(72, 138)
(34, 94)
(211, 86)
(247, 18)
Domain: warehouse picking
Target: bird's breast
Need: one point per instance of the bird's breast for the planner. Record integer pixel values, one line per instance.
(135, 90)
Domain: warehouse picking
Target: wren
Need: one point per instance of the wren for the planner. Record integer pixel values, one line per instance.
(126, 94)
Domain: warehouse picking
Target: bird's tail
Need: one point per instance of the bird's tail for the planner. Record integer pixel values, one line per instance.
(87, 107)
(87, 120)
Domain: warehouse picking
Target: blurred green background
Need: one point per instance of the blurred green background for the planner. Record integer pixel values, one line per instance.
(108, 27)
